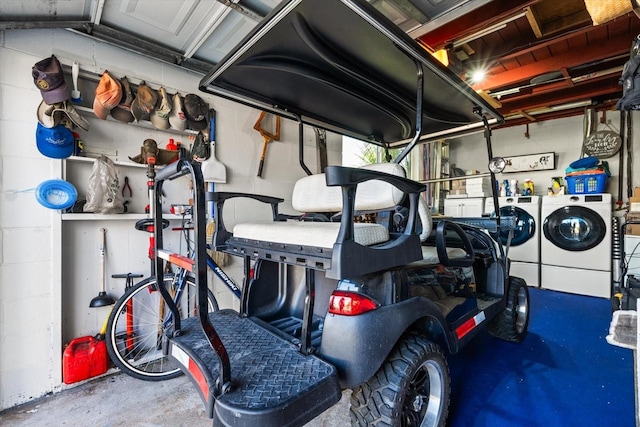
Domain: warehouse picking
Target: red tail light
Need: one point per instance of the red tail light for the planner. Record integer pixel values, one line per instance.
(350, 304)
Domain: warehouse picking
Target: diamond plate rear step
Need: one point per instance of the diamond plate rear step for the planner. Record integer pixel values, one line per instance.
(273, 384)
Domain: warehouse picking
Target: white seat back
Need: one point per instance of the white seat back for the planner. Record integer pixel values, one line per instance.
(311, 193)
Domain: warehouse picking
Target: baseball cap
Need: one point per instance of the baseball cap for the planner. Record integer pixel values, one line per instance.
(177, 119)
(144, 103)
(196, 111)
(108, 95)
(160, 116)
(48, 77)
(56, 142)
(122, 111)
(53, 115)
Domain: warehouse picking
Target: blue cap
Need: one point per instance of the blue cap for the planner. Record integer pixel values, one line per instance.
(56, 142)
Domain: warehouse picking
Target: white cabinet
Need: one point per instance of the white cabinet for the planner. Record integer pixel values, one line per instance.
(464, 207)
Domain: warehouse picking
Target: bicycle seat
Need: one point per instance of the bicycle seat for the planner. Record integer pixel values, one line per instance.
(146, 224)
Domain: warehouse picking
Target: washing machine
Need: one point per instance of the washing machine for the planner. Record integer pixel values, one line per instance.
(524, 251)
(575, 248)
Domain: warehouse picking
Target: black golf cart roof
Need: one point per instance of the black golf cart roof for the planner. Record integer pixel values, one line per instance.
(342, 66)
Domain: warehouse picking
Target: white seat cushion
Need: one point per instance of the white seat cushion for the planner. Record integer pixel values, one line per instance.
(318, 234)
(430, 254)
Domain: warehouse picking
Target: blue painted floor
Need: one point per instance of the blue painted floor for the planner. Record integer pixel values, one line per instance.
(563, 373)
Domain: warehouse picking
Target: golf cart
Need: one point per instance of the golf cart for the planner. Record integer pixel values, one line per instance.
(341, 304)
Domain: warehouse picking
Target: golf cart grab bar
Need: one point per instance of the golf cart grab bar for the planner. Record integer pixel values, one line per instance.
(169, 172)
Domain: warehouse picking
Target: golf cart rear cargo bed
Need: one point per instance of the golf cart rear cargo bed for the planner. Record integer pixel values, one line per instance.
(273, 383)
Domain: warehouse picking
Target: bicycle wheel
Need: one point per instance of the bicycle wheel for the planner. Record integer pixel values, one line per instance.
(134, 331)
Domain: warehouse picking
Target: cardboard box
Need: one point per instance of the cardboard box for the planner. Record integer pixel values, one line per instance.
(458, 184)
(632, 229)
(634, 202)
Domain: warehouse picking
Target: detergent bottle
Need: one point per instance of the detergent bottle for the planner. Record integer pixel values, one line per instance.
(527, 187)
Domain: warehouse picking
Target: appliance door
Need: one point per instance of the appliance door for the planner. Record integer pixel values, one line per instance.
(525, 225)
(576, 237)
(574, 228)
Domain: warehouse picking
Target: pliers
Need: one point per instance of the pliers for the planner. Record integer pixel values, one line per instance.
(126, 186)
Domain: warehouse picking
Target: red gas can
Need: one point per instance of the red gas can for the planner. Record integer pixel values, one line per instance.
(84, 357)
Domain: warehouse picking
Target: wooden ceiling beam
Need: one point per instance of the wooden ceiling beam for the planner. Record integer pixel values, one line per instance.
(480, 18)
(552, 115)
(593, 89)
(613, 47)
(630, 22)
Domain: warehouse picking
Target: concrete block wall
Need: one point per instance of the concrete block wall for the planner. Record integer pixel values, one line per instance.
(34, 240)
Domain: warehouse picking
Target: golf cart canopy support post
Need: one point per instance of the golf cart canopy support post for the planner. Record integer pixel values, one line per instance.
(172, 171)
(416, 137)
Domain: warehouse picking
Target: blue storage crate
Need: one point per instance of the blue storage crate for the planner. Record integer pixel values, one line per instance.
(586, 184)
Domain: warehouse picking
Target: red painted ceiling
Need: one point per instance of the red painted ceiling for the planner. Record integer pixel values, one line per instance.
(544, 59)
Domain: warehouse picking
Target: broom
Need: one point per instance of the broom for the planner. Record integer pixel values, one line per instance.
(220, 258)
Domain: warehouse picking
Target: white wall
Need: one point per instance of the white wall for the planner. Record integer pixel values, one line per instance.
(563, 136)
(32, 237)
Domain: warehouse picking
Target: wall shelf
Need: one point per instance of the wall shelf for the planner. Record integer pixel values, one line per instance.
(88, 112)
(88, 159)
(112, 217)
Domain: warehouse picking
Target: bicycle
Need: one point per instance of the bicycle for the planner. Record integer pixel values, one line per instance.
(136, 324)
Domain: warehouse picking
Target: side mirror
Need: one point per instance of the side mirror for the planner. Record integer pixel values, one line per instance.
(497, 164)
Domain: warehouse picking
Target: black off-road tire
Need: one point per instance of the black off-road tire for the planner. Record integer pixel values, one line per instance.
(513, 322)
(412, 385)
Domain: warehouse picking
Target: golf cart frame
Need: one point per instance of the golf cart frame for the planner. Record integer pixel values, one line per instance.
(283, 359)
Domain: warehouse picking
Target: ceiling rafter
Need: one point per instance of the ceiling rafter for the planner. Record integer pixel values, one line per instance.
(525, 73)
(473, 22)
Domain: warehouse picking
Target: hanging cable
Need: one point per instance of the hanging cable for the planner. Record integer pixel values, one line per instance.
(629, 139)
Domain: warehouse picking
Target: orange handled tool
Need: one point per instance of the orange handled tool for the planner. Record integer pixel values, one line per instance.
(268, 137)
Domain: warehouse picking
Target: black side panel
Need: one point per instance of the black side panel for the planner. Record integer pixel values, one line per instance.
(357, 358)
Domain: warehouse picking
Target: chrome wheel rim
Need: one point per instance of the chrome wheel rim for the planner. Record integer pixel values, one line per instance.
(521, 308)
(423, 404)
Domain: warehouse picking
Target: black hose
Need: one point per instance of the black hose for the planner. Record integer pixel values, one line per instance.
(621, 157)
(629, 154)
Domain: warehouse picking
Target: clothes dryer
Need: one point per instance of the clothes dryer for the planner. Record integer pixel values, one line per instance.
(576, 244)
(524, 251)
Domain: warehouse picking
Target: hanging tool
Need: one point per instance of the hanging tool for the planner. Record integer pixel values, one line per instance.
(76, 97)
(213, 170)
(126, 187)
(102, 299)
(268, 137)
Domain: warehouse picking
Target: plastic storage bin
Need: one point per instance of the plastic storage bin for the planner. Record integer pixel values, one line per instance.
(587, 183)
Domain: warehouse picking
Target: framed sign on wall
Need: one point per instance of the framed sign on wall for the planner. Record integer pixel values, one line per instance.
(530, 162)
(602, 144)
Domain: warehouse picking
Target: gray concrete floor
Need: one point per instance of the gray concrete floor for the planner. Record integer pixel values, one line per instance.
(120, 400)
